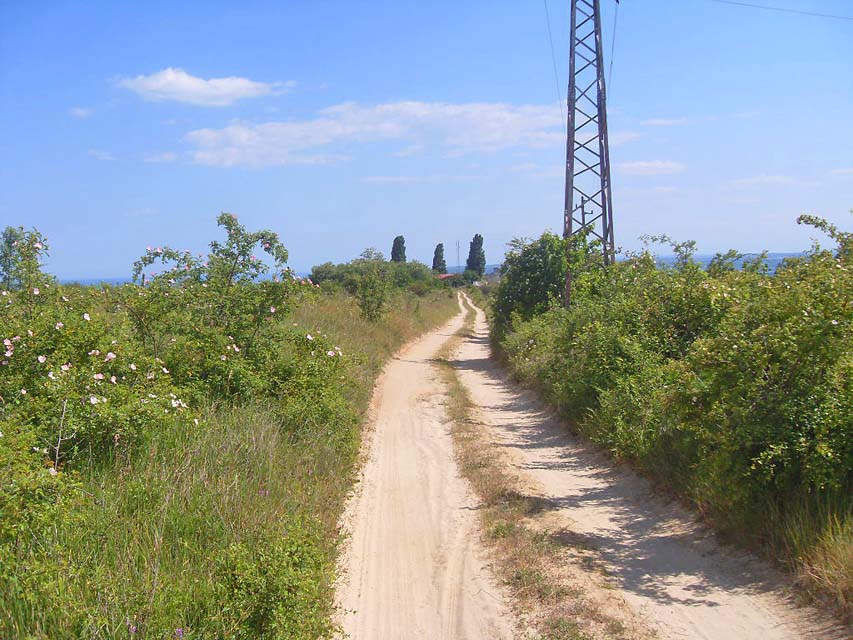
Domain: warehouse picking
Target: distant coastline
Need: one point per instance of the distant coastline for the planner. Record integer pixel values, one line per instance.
(773, 260)
(88, 282)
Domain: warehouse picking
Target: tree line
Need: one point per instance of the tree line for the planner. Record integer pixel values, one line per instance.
(475, 264)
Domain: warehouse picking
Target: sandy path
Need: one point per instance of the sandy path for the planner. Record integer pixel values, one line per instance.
(669, 569)
(413, 567)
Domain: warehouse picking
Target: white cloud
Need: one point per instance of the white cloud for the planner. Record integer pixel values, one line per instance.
(557, 171)
(179, 86)
(411, 150)
(664, 190)
(415, 179)
(166, 156)
(461, 128)
(622, 137)
(100, 154)
(846, 172)
(650, 167)
(663, 122)
(80, 112)
(762, 180)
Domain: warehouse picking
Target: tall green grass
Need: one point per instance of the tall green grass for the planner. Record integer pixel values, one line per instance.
(222, 530)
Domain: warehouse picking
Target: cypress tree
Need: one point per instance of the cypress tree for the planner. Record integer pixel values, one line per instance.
(476, 256)
(438, 263)
(398, 250)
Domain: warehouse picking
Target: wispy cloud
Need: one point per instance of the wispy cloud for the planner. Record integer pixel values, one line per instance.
(409, 151)
(458, 128)
(166, 156)
(100, 154)
(762, 180)
(179, 86)
(416, 179)
(551, 172)
(844, 172)
(80, 112)
(663, 122)
(622, 137)
(647, 191)
(650, 167)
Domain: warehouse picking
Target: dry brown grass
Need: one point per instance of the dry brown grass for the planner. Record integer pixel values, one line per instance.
(558, 586)
(825, 570)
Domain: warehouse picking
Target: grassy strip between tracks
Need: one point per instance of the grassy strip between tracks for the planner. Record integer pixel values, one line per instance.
(559, 590)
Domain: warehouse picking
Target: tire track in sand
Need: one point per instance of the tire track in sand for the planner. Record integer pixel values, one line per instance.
(413, 566)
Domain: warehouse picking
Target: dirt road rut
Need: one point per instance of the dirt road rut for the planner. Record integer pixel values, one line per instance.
(413, 567)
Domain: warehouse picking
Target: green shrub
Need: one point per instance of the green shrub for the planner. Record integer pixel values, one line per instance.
(269, 588)
(730, 385)
(372, 294)
(174, 455)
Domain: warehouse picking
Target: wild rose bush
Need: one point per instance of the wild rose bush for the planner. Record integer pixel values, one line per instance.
(212, 319)
(73, 376)
(106, 365)
(93, 380)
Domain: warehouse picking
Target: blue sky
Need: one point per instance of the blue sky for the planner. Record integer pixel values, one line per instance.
(342, 124)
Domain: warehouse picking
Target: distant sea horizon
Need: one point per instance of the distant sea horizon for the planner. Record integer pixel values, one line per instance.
(773, 260)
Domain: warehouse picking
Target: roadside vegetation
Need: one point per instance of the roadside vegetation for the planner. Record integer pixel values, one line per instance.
(371, 277)
(537, 565)
(732, 387)
(174, 453)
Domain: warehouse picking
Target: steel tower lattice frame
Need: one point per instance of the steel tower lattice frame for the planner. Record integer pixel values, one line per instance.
(588, 202)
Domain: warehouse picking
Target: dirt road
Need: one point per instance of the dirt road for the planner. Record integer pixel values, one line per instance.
(413, 567)
(669, 569)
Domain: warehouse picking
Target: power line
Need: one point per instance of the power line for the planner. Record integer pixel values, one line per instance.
(612, 50)
(554, 62)
(783, 10)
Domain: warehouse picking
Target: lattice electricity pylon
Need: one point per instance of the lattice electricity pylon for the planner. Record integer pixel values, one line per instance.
(587, 198)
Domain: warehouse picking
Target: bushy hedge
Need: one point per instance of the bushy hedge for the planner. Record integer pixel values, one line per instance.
(415, 276)
(373, 280)
(116, 466)
(732, 386)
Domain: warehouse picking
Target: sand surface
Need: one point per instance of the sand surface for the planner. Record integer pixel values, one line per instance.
(413, 566)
